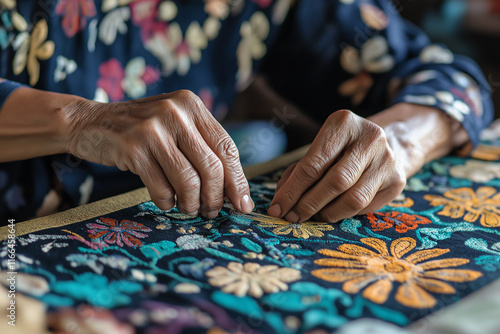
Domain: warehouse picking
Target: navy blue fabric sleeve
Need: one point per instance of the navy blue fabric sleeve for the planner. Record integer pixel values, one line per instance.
(6, 88)
(361, 55)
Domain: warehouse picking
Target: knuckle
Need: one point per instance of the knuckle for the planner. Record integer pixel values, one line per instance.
(164, 203)
(186, 94)
(358, 200)
(166, 105)
(228, 149)
(241, 185)
(212, 167)
(390, 158)
(191, 181)
(376, 133)
(398, 182)
(312, 168)
(307, 208)
(215, 204)
(343, 115)
(326, 217)
(345, 178)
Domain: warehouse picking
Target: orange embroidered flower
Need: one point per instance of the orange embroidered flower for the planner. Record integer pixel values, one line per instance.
(486, 152)
(464, 202)
(113, 232)
(75, 13)
(402, 222)
(358, 267)
(401, 202)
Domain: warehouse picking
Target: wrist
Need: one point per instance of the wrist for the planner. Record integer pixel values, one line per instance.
(409, 153)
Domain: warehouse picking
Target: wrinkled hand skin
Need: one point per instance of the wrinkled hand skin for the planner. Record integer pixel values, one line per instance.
(172, 142)
(349, 169)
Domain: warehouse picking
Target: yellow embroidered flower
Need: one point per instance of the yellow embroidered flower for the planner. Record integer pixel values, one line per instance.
(251, 278)
(359, 267)
(302, 230)
(31, 49)
(484, 204)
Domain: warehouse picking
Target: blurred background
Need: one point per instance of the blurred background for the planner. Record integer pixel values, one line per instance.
(468, 27)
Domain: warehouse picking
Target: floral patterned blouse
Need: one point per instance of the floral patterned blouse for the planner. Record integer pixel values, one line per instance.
(322, 55)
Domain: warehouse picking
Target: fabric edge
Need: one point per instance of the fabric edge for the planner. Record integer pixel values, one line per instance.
(129, 199)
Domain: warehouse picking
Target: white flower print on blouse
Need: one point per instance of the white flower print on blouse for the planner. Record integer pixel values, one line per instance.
(64, 68)
(374, 57)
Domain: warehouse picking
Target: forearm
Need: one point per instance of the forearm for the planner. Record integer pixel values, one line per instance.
(33, 124)
(419, 134)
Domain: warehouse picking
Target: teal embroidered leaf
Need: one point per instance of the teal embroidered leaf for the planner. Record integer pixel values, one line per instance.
(159, 249)
(251, 245)
(298, 252)
(223, 255)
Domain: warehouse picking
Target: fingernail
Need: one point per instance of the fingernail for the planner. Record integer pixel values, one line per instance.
(193, 214)
(292, 217)
(274, 210)
(212, 214)
(246, 204)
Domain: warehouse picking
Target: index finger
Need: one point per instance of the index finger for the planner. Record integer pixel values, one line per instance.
(324, 151)
(235, 182)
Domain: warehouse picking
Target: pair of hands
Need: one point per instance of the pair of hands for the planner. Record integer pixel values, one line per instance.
(177, 148)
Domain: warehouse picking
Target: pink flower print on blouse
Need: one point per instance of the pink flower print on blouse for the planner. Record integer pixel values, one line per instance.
(111, 75)
(75, 13)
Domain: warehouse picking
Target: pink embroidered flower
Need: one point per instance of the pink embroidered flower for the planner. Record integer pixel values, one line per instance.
(75, 13)
(112, 232)
(111, 75)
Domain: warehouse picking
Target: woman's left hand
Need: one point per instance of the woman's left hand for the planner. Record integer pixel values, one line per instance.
(349, 169)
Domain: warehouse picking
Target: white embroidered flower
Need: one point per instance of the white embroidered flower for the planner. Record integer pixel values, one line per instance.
(492, 132)
(251, 278)
(187, 288)
(476, 171)
(192, 242)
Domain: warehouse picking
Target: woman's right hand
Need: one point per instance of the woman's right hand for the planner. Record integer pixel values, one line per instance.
(172, 142)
